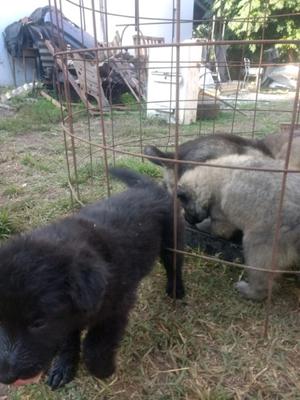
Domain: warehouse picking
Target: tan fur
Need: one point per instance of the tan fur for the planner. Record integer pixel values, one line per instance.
(277, 143)
(294, 161)
(168, 173)
(247, 201)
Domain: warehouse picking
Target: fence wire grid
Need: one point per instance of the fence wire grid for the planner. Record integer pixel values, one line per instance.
(165, 92)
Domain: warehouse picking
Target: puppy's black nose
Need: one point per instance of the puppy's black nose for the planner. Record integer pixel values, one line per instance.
(191, 219)
(182, 196)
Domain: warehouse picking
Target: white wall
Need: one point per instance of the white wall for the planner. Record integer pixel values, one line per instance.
(16, 9)
(157, 9)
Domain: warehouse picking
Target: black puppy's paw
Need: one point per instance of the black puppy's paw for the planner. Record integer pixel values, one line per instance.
(100, 364)
(179, 292)
(61, 372)
(100, 369)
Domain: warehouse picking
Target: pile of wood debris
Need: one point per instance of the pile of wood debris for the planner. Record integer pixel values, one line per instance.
(102, 75)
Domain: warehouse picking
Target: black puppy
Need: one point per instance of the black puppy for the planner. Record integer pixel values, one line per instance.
(82, 273)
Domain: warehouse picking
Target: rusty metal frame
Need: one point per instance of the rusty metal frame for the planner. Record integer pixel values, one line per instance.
(113, 148)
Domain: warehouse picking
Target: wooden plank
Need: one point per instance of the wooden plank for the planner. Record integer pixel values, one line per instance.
(221, 100)
(88, 75)
(52, 100)
(123, 68)
(70, 77)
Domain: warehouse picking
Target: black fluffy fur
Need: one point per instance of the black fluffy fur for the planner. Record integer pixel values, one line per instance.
(82, 273)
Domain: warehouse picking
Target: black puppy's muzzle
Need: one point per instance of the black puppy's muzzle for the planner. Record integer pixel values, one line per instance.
(191, 215)
(8, 377)
(191, 219)
(10, 372)
(194, 218)
(16, 362)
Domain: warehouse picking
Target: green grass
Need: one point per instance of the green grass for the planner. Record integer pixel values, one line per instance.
(35, 162)
(94, 172)
(13, 191)
(6, 224)
(37, 115)
(88, 171)
(208, 346)
(32, 212)
(129, 101)
(145, 168)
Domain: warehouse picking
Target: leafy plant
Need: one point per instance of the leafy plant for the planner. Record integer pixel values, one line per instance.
(6, 224)
(258, 19)
(128, 100)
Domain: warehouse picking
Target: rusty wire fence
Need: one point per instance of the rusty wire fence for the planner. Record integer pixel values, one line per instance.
(179, 90)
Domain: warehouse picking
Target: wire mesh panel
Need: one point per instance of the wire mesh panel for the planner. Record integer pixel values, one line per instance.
(182, 87)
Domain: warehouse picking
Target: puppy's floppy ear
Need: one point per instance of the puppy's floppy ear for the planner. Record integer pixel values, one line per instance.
(87, 282)
(155, 152)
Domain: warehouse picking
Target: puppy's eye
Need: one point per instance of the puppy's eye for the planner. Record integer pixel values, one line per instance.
(38, 324)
